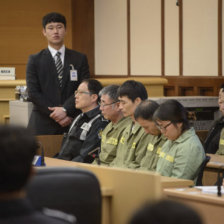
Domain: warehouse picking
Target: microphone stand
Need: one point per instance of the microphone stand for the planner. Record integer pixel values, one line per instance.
(42, 153)
(219, 182)
(97, 150)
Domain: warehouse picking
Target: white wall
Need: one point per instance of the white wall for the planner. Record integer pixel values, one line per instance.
(200, 38)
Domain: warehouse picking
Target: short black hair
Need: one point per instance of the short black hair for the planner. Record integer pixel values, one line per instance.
(111, 91)
(133, 89)
(146, 109)
(17, 147)
(165, 212)
(94, 86)
(174, 111)
(54, 17)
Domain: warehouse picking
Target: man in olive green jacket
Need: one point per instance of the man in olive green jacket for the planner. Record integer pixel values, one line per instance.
(111, 135)
(144, 116)
(133, 143)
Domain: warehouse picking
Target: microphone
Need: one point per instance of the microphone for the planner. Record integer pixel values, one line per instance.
(92, 153)
(219, 182)
(42, 154)
(39, 160)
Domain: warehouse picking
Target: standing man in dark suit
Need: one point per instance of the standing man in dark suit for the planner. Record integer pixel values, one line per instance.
(52, 79)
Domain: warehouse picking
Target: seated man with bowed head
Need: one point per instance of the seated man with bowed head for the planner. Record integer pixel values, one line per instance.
(133, 143)
(84, 135)
(109, 106)
(18, 148)
(182, 154)
(144, 116)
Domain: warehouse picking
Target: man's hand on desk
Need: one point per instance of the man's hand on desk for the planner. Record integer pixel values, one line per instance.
(58, 113)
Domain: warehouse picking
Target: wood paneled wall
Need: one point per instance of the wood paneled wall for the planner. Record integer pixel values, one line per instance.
(21, 30)
(193, 86)
(122, 40)
(83, 29)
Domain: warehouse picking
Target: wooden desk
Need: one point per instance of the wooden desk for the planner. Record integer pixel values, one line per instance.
(171, 182)
(7, 93)
(211, 171)
(210, 207)
(124, 190)
(51, 144)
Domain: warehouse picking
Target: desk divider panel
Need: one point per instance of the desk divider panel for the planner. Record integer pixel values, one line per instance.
(129, 188)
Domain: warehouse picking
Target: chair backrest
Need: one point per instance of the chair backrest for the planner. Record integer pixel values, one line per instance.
(72, 190)
(200, 174)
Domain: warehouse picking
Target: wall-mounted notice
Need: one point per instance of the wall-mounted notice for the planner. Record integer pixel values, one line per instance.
(7, 73)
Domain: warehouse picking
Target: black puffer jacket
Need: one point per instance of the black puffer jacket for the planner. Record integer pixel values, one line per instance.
(211, 143)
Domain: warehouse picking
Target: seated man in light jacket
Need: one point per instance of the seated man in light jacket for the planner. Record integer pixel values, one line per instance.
(111, 135)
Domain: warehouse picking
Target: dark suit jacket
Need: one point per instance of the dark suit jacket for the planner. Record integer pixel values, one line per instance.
(44, 91)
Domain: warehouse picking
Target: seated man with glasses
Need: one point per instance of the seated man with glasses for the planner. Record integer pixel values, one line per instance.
(84, 135)
(111, 135)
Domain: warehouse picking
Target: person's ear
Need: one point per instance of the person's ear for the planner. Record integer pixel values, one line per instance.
(138, 100)
(117, 106)
(180, 125)
(44, 32)
(95, 97)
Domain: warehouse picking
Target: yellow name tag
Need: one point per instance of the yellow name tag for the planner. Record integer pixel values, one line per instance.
(103, 139)
(170, 158)
(122, 140)
(133, 145)
(162, 154)
(221, 142)
(150, 147)
(112, 141)
(159, 150)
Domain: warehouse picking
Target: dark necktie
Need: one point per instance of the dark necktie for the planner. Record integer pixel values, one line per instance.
(59, 67)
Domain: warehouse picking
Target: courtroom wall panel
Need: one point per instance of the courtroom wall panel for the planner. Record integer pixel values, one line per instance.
(164, 38)
(171, 30)
(110, 21)
(83, 29)
(127, 38)
(200, 42)
(145, 36)
(181, 41)
(21, 30)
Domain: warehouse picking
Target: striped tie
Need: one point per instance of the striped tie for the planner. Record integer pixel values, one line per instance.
(59, 67)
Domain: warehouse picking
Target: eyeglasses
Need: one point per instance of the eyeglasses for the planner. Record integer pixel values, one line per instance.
(81, 92)
(163, 128)
(107, 104)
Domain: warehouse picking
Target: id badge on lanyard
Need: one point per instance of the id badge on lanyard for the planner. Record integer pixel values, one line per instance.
(73, 74)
